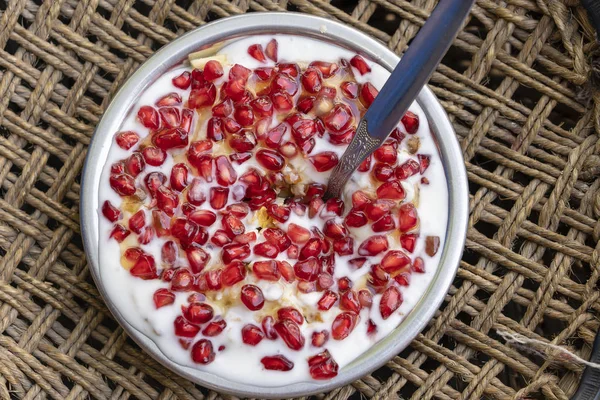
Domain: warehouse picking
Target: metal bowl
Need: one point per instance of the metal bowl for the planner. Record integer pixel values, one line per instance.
(222, 32)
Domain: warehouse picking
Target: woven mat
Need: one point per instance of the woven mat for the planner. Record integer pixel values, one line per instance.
(518, 85)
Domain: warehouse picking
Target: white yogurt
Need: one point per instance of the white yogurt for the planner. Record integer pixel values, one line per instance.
(240, 362)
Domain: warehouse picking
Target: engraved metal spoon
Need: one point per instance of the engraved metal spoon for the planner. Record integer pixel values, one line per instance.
(402, 87)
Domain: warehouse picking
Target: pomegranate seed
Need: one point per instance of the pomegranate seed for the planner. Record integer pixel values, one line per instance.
(383, 172)
(289, 331)
(135, 164)
(338, 119)
(344, 284)
(298, 234)
(289, 69)
(214, 129)
(325, 281)
(298, 208)
(203, 217)
(319, 338)
(394, 260)
(170, 116)
(349, 89)
(213, 279)
(179, 175)
(280, 213)
(182, 81)
(233, 273)
(343, 325)
(373, 245)
(360, 200)
(214, 328)
(256, 52)
(312, 80)
(112, 213)
(184, 328)
(202, 352)
(292, 252)
(360, 64)
(274, 136)
(345, 138)
(365, 298)
(303, 129)
(327, 300)
(226, 175)
(235, 251)
(235, 89)
(220, 238)
(365, 165)
(182, 281)
(271, 52)
(315, 190)
(408, 218)
(291, 314)
(432, 243)
(161, 222)
(408, 242)
(223, 109)
(171, 138)
(262, 106)
(392, 190)
(239, 72)
(266, 270)
(387, 153)
(187, 117)
(144, 267)
(344, 246)
(213, 70)
(154, 156)
(390, 301)
(334, 206)
(137, 221)
(368, 94)
(171, 99)
(166, 200)
(371, 327)
(163, 297)
(307, 287)
(123, 184)
(358, 262)
(305, 104)
(284, 83)
(146, 235)
(424, 162)
(202, 97)
(233, 225)
(252, 297)
(324, 161)
(408, 169)
(322, 366)
(307, 269)
(424, 181)
(252, 335)
(402, 279)
(197, 258)
(198, 80)
(327, 69)
(334, 230)
(240, 210)
(384, 224)
(356, 219)
(244, 115)
(282, 101)
(117, 168)
(127, 139)
(153, 181)
(148, 116)
(231, 125)
(218, 197)
(270, 160)
(374, 211)
(198, 313)
(418, 265)
(264, 73)
(168, 252)
(411, 122)
(349, 301)
(278, 362)
(265, 249)
(268, 328)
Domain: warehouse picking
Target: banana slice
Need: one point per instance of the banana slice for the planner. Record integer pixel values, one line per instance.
(197, 61)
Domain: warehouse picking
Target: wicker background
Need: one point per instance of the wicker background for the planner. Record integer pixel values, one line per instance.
(519, 86)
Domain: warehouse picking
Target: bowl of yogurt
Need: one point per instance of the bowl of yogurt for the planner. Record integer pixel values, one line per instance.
(204, 222)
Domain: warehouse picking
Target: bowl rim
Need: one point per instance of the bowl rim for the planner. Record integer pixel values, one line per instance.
(323, 29)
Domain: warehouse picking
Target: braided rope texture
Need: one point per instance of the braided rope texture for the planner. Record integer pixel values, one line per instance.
(520, 85)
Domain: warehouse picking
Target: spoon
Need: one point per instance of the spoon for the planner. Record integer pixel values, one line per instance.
(400, 90)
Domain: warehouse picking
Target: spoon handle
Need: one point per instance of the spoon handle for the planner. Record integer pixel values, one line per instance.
(404, 84)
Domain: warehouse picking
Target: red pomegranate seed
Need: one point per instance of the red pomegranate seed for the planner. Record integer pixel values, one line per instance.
(303, 129)
(409, 168)
(390, 301)
(327, 300)
(268, 328)
(148, 116)
(312, 80)
(334, 206)
(252, 297)
(319, 339)
(394, 260)
(123, 184)
(202, 352)
(214, 129)
(365, 298)
(171, 99)
(233, 273)
(266, 270)
(137, 221)
(154, 156)
(371, 327)
(213, 279)
(349, 89)
(424, 162)
(289, 331)
(220, 238)
(264, 73)
(365, 165)
(213, 70)
(146, 235)
(356, 219)
(383, 172)
(144, 267)
(411, 122)
(233, 225)
(292, 252)
(266, 249)
(239, 72)
(278, 212)
(344, 247)
(226, 175)
(322, 366)
(223, 109)
(244, 115)
(349, 301)
(344, 283)
(307, 269)
(203, 217)
(432, 243)
(163, 297)
(345, 138)
(277, 363)
(324, 161)
(197, 258)
(271, 52)
(368, 94)
(392, 190)
(387, 153)
(169, 252)
(408, 218)
(132, 254)
(231, 125)
(408, 241)
(198, 80)
(360, 64)
(112, 213)
(127, 139)
(166, 200)
(182, 81)
(182, 280)
(284, 83)
(170, 116)
(240, 158)
(402, 279)
(377, 209)
(235, 89)
(360, 200)
(242, 141)
(325, 281)
(153, 181)
(291, 314)
(373, 246)
(235, 251)
(274, 136)
(290, 69)
(327, 69)
(171, 138)
(184, 328)
(305, 104)
(270, 160)
(338, 118)
(179, 175)
(202, 97)
(424, 181)
(252, 335)
(161, 222)
(218, 197)
(312, 248)
(418, 265)
(135, 164)
(256, 52)
(384, 224)
(240, 210)
(198, 313)
(262, 106)
(343, 325)
(358, 262)
(298, 234)
(214, 328)
(282, 101)
(298, 208)
(334, 230)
